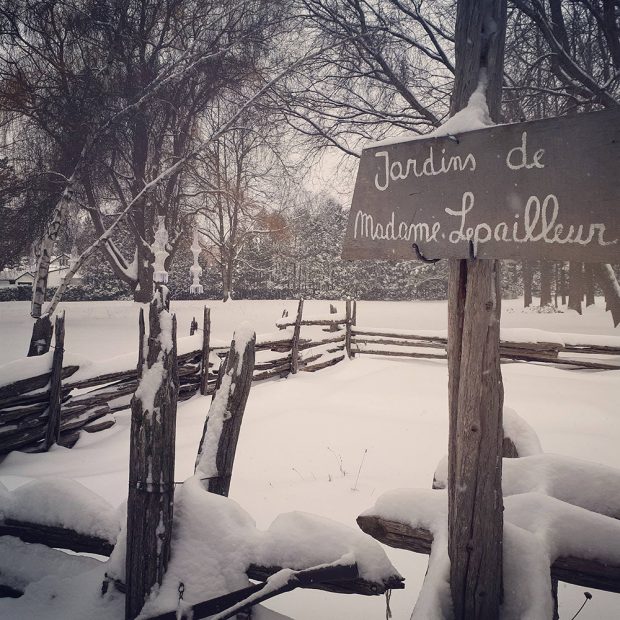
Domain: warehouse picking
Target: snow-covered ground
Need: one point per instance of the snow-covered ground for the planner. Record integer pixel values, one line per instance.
(331, 442)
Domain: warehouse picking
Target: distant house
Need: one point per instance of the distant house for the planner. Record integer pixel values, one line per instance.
(15, 278)
(24, 274)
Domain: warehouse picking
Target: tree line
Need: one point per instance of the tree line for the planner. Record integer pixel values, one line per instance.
(115, 113)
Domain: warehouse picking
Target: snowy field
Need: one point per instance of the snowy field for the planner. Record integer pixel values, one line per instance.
(331, 442)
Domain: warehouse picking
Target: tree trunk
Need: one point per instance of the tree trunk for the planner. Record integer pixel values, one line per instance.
(546, 273)
(575, 285)
(475, 519)
(41, 338)
(527, 283)
(563, 283)
(143, 293)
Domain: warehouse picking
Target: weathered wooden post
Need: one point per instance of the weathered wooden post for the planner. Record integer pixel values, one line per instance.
(295, 341)
(475, 503)
(151, 455)
(216, 453)
(204, 359)
(52, 434)
(347, 338)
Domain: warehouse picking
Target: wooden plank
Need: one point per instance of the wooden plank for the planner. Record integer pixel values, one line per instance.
(402, 354)
(391, 334)
(354, 586)
(400, 343)
(53, 536)
(314, 322)
(580, 572)
(439, 193)
(325, 364)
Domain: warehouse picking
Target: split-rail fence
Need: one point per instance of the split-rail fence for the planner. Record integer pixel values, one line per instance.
(53, 403)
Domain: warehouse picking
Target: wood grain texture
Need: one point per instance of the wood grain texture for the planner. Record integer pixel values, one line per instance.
(239, 366)
(475, 502)
(578, 571)
(151, 465)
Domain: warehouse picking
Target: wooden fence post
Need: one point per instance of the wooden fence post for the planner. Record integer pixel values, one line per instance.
(216, 453)
(151, 457)
(52, 434)
(204, 360)
(332, 310)
(295, 342)
(475, 502)
(347, 340)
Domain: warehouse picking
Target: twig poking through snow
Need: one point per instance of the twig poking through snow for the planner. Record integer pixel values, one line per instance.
(359, 471)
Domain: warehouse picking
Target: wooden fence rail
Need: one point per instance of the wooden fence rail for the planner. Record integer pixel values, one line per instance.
(85, 403)
(407, 344)
(88, 402)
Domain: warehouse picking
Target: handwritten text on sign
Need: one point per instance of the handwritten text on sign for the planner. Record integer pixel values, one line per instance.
(547, 189)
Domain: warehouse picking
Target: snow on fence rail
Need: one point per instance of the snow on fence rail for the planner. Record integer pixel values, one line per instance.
(91, 392)
(534, 346)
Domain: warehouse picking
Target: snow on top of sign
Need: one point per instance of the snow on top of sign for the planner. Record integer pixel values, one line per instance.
(474, 116)
(62, 503)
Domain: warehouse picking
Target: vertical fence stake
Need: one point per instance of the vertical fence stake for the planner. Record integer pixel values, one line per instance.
(347, 340)
(227, 410)
(151, 460)
(52, 433)
(204, 360)
(295, 342)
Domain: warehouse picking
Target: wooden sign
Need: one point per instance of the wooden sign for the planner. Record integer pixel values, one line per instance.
(547, 189)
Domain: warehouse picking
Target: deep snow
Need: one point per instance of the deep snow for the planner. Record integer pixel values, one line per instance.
(300, 434)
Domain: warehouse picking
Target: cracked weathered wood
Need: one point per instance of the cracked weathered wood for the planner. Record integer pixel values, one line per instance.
(239, 366)
(151, 457)
(578, 571)
(475, 503)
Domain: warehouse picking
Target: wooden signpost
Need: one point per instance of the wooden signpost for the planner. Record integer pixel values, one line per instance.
(542, 190)
(546, 190)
